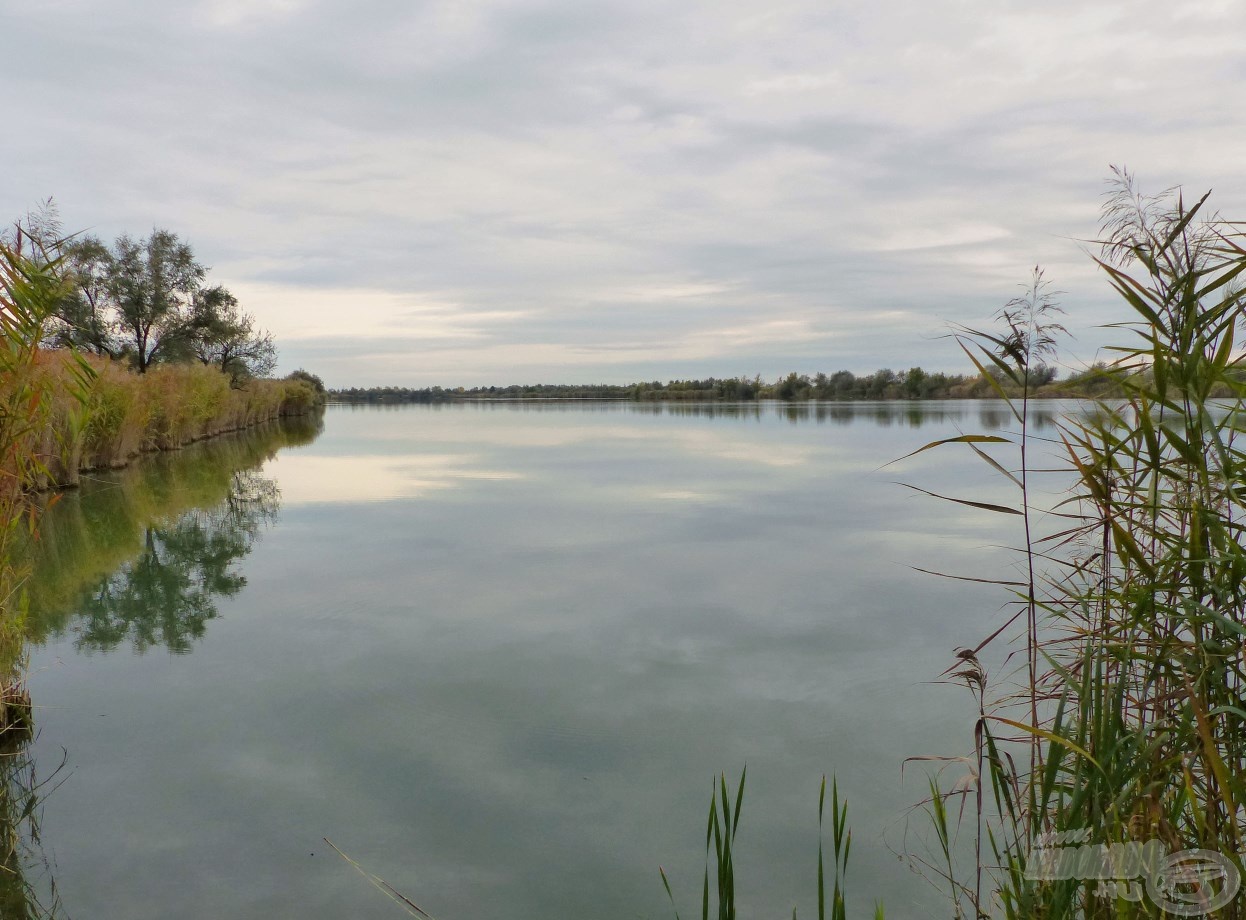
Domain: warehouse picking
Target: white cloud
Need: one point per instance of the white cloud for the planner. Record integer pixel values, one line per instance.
(933, 237)
(793, 83)
(226, 14)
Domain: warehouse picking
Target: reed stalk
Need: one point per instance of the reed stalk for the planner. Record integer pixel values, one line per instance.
(1131, 719)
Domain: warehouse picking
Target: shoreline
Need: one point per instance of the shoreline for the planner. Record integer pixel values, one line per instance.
(52, 484)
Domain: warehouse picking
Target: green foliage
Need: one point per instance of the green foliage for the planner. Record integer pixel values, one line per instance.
(221, 334)
(145, 301)
(841, 843)
(309, 378)
(151, 285)
(842, 385)
(720, 834)
(1130, 725)
(915, 383)
(82, 319)
(95, 413)
(29, 290)
(720, 831)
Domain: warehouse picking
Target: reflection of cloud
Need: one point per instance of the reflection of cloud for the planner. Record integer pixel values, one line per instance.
(509, 428)
(313, 480)
(757, 453)
(720, 445)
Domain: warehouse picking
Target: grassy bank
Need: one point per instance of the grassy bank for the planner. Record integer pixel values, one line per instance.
(28, 294)
(98, 414)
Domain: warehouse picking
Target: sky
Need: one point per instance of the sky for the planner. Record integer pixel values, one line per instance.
(485, 192)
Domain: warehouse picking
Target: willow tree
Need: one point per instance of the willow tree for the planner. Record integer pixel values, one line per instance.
(224, 335)
(152, 285)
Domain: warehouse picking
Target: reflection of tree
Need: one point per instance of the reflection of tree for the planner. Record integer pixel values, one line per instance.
(27, 886)
(120, 538)
(167, 595)
(182, 521)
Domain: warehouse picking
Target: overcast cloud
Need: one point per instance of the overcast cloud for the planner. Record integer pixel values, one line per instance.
(569, 190)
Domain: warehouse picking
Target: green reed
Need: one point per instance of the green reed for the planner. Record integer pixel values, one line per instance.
(1131, 722)
(720, 832)
(1127, 721)
(29, 288)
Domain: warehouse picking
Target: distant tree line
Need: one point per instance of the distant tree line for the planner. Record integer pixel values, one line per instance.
(145, 301)
(913, 383)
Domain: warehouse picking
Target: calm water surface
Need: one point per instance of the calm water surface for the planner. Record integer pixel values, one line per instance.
(497, 652)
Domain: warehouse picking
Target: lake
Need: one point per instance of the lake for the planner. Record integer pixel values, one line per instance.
(497, 654)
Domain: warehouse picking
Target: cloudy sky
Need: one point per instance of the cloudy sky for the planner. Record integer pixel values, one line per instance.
(496, 191)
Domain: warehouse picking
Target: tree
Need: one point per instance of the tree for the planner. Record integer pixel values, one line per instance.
(83, 319)
(1041, 375)
(793, 386)
(914, 383)
(311, 379)
(141, 299)
(75, 318)
(843, 384)
(882, 379)
(221, 333)
(151, 284)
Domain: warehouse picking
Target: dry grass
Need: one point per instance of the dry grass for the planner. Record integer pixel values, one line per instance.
(97, 414)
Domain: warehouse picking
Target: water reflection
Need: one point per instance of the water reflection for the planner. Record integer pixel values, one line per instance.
(502, 686)
(991, 414)
(372, 478)
(27, 882)
(166, 596)
(144, 555)
(140, 556)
